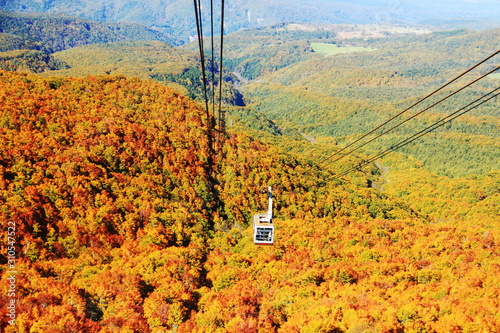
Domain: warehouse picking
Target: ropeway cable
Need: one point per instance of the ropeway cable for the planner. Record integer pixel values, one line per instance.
(415, 115)
(469, 107)
(221, 66)
(199, 28)
(407, 109)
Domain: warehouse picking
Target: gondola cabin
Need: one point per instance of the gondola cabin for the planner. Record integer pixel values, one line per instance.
(263, 228)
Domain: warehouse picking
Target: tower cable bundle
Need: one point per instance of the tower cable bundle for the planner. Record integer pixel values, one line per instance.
(199, 27)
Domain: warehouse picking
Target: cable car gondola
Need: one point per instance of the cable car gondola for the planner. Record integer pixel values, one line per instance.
(263, 228)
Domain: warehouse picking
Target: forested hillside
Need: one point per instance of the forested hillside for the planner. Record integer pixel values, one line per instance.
(28, 40)
(29, 61)
(56, 32)
(155, 60)
(347, 94)
(260, 51)
(30, 43)
(123, 225)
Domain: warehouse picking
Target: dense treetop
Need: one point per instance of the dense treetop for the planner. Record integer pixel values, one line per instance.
(123, 223)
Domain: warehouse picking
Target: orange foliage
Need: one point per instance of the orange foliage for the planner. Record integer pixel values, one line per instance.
(123, 227)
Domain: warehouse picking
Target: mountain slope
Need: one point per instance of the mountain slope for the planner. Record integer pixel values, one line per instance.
(126, 219)
(86, 138)
(130, 217)
(59, 44)
(29, 61)
(32, 38)
(89, 167)
(56, 32)
(96, 170)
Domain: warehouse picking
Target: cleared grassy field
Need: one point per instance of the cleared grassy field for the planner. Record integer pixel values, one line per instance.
(332, 49)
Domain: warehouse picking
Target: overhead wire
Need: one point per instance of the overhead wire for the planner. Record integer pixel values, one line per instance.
(221, 120)
(469, 107)
(407, 109)
(415, 115)
(213, 54)
(199, 28)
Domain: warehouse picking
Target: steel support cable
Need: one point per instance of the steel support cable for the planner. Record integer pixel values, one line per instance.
(410, 107)
(221, 65)
(428, 129)
(415, 115)
(213, 55)
(200, 32)
(413, 138)
(199, 28)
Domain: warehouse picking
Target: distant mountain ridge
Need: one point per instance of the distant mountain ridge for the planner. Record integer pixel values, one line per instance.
(177, 17)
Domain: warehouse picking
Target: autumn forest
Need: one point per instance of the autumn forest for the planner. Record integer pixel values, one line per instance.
(123, 209)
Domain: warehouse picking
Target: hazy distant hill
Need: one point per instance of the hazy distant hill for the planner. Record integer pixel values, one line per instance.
(177, 16)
